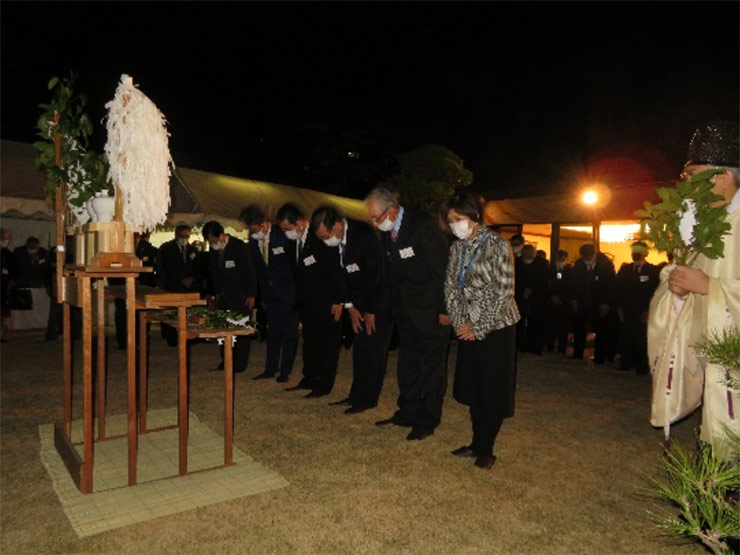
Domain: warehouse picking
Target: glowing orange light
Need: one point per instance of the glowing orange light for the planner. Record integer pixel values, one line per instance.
(590, 197)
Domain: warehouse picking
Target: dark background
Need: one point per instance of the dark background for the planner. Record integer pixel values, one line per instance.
(528, 94)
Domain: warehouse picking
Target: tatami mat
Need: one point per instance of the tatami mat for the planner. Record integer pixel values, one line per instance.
(160, 490)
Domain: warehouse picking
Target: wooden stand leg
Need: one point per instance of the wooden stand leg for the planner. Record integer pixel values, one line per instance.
(182, 407)
(101, 360)
(228, 401)
(131, 358)
(67, 339)
(86, 485)
(143, 371)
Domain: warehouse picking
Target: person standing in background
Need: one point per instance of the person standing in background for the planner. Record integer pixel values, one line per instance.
(274, 259)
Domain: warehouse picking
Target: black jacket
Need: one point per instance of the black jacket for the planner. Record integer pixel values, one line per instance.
(233, 275)
(416, 264)
(277, 279)
(594, 288)
(362, 260)
(172, 268)
(318, 277)
(30, 268)
(636, 288)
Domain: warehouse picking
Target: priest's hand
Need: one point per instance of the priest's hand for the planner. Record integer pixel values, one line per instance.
(688, 280)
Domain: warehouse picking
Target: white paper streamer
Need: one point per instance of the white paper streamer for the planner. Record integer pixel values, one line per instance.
(139, 155)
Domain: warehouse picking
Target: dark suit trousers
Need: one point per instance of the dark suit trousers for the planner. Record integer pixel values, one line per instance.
(580, 328)
(633, 342)
(606, 329)
(369, 361)
(320, 349)
(422, 374)
(282, 339)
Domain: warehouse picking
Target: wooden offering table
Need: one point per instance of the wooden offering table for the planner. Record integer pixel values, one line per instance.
(193, 330)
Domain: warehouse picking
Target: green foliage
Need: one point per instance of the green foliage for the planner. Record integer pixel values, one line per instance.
(83, 171)
(704, 489)
(429, 176)
(661, 222)
(723, 349)
(212, 318)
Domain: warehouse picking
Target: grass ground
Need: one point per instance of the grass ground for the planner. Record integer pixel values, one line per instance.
(566, 479)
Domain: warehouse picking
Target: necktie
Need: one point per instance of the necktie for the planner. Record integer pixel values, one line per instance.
(184, 255)
(394, 234)
(265, 250)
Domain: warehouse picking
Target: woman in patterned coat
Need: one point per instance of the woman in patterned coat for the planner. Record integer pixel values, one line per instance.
(479, 293)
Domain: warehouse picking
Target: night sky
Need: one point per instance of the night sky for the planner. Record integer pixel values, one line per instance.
(528, 94)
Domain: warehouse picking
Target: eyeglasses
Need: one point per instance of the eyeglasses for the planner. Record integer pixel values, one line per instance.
(377, 219)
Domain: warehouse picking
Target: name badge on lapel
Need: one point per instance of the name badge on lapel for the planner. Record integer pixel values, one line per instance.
(230, 264)
(278, 250)
(145, 259)
(559, 275)
(309, 260)
(352, 268)
(408, 252)
(192, 255)
(643, 279)
(596, 278)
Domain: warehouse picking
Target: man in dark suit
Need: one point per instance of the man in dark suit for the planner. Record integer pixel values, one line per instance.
(636, 283)
(530, 288)
(7, 275)
(234, 282)
(416, 253)
(558, 303)
(366, 302)
(178, 270)
(30, 263)
(274, 259)
(319, 302)
(593, 300)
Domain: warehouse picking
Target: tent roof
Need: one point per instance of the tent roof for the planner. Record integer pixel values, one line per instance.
(195, 196)
(614, 204)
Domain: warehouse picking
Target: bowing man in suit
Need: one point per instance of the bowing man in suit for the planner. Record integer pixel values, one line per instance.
(365, 300)
(319, 302)
(416, 253)
(234, 281)
(274, 259)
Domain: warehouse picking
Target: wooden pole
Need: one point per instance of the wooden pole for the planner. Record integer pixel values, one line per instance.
(101, 360)
(131, 359)
(59, 213)
(182, 407)
(87, 473)
(67, 341)
(228, 401)
(143, 370)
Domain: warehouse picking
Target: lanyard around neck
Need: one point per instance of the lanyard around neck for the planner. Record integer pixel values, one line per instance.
(465, 268)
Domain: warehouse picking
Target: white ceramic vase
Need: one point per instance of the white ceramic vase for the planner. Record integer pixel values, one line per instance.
(91, 210)
(105, 207)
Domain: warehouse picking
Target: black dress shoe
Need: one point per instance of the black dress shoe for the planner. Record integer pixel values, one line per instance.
(417, 435)
(316, 393)
(464, 451)
(485, 462)
(300, 385)
(263, 376)
(282, 379)
(357, 409)
(344, 401)
(385, 423)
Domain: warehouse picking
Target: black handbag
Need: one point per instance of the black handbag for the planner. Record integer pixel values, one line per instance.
(20, 299)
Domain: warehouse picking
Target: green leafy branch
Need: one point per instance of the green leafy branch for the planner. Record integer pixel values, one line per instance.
(212, 318)
(703, 488)
(662, 224)
(82, 171)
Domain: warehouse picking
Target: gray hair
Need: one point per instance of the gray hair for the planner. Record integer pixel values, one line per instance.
(383, 197)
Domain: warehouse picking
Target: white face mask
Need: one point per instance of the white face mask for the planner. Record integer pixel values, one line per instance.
(292, 234)
(386, 225)
(181, 242)
(461, 229)
(258, 236)
(332, 242)
(218, 246)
